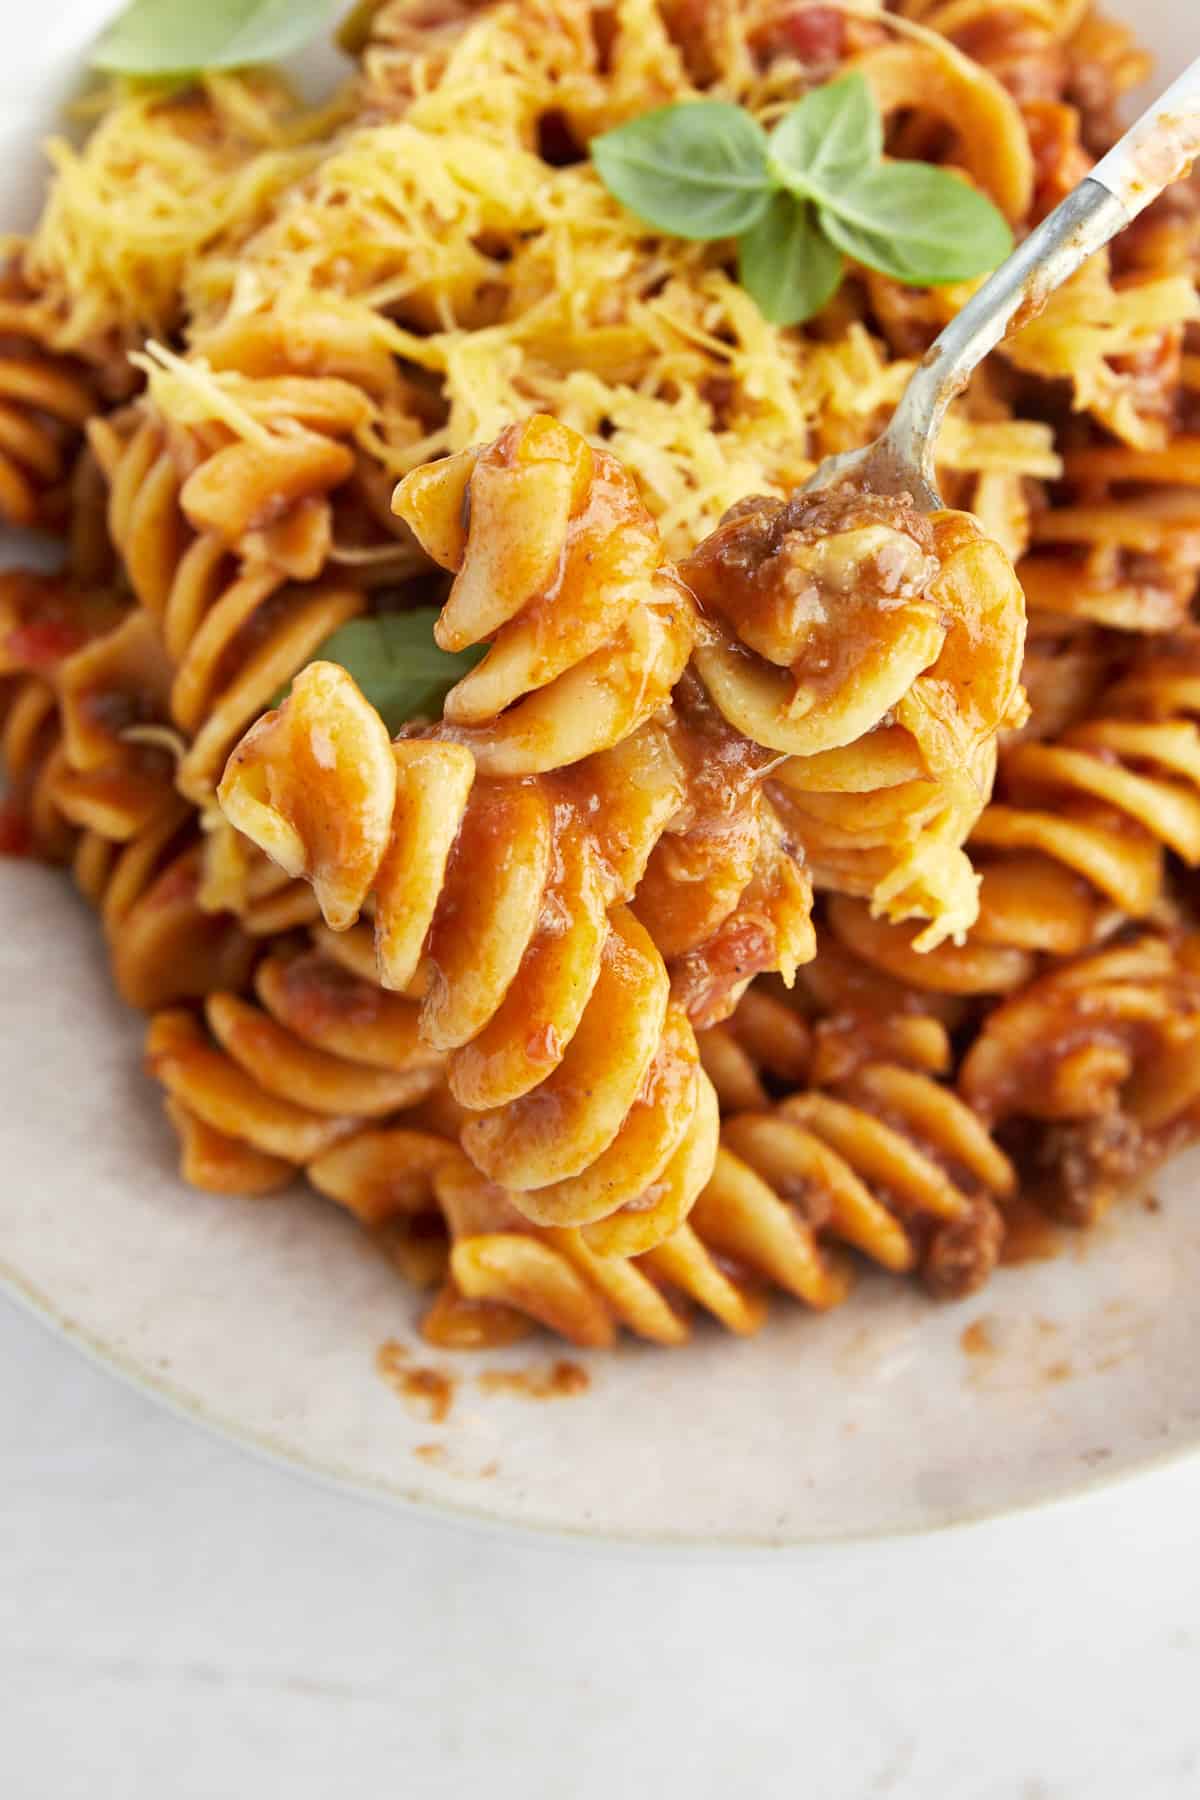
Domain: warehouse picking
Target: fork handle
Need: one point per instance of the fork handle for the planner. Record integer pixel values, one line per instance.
(1157, 148)
(1153, 152)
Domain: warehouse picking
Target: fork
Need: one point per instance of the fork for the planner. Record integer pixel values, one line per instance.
(1154, 152)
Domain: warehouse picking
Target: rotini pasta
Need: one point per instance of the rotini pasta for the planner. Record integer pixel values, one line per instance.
(1098, 1063)
(1075, 841)
(848, 639)
(45, 401)
(559, 568)
(107, 676)
(284, 1076)
(164, 947)
(31, 746)
(236, 618)
(548, 994)
(889, 1163)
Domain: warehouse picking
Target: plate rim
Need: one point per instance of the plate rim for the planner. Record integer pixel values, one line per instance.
(260, 1446)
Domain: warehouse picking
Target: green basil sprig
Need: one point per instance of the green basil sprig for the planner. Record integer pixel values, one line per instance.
(396, 663)
(801, 198)
(181, 37)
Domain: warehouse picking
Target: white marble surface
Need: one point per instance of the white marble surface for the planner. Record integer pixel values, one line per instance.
(179, 1620)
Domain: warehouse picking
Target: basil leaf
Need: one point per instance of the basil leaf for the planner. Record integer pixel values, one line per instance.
(697, 170)
(785, 263)
(917, 223)
(396, 663)
(833, 132)
(179, 37)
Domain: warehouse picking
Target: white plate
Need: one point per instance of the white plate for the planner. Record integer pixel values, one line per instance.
(263, 1318)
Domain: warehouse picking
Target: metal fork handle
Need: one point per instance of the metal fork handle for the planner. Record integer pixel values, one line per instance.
(1153, 152)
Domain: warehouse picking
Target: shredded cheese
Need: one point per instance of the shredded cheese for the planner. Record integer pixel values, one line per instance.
(160, 181)
(422, 229)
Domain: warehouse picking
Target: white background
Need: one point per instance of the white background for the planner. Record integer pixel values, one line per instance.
(181, 1622)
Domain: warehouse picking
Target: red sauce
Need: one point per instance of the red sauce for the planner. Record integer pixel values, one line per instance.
(814, 34)
(16, 833)
(556, 1382)
(977, 1339)
(1029, 1236)
(40, 643)
(426, 1390)
(455, 1323)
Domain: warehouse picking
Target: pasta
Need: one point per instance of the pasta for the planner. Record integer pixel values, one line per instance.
(163, 945)
(236, 619)
(535, 966)
(31, 743)
(733, 887)
(1075, 842)
(294, 1070)
(790, 1186)
(102, 675)
(44, 403)
(902, 726)
(1101, 1054)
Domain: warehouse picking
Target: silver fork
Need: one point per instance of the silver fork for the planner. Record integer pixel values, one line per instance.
(1154, 152)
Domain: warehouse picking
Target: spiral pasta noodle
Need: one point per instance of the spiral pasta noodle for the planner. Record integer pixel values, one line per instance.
(763, 1036)
(718, 1260)
(237, 619)
(1076, 840)
(725, 893)
(264, 1085)
(164, 947)
(106, 674)
(144, 881)
(90, 785)
(772, 1045)
(45, 401)
(560, 569)
(31, 748)
(1130, 564)
(1098, 1063)
(549, 996)
(870, 1138)
(894, 1132)
(848, 638)
(792, 1189)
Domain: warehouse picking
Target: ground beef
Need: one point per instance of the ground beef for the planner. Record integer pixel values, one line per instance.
(960, 1254)
(1075, 1170)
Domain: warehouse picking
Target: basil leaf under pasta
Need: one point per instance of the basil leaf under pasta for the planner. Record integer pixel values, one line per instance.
(396, 663)
(179, 37)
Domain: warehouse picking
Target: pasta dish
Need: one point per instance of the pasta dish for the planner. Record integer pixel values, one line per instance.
(630, 886)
